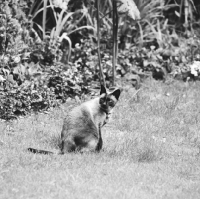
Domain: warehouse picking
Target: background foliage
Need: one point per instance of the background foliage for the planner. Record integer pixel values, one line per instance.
(48, 49)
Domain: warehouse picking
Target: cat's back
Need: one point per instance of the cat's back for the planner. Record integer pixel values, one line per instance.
(81, 113)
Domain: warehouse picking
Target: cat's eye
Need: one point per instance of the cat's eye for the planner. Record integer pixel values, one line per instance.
(102, 100)
(111, 103)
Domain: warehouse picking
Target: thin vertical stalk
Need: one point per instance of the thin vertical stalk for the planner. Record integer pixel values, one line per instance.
(180, 9)
(6, 30)
(115, 47)
(116, 35)
(186, 10)
(44, 19)
(101, 76)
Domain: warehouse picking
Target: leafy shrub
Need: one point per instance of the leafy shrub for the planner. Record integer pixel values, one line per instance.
(31, 78)
(41, 88)
(175, 56)
(18, 102)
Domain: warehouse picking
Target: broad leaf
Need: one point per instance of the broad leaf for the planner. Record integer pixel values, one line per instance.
(2, 79)
(129, 7)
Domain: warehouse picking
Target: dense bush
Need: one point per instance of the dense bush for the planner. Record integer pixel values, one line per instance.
(38, 73)
(31, 76)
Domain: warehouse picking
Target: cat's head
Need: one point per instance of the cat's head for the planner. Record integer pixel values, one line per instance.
(108, 99)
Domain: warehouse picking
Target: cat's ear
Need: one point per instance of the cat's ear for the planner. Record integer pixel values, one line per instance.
(116, 93)
(103, 90)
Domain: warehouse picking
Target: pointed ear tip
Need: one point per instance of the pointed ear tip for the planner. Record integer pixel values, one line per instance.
(102, 86)
(117, 92)
(120, 89)
(102, 89)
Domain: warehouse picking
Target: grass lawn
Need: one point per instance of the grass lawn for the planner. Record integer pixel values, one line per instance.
(151, 150)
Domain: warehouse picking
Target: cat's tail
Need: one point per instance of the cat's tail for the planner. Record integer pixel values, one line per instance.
(40, 151)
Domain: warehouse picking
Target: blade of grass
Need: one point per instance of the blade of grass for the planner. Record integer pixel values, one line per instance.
(82, 27)
(141, 34)
(61, 22)
(33, 6)
(64, 36)
(40, 10)
(54, 12)
(52, 34)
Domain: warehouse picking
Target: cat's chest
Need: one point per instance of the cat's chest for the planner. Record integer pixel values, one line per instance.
(97, 115)
(100, 118)
(107, 118)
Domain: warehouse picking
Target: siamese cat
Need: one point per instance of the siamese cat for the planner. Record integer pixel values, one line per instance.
(82, 126)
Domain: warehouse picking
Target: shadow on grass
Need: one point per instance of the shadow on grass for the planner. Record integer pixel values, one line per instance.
(138, 151)
(54, 141)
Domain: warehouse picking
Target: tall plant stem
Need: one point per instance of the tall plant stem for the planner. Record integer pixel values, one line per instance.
(115, 42)
(44, 19)
(101, 76)
(186, 10)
